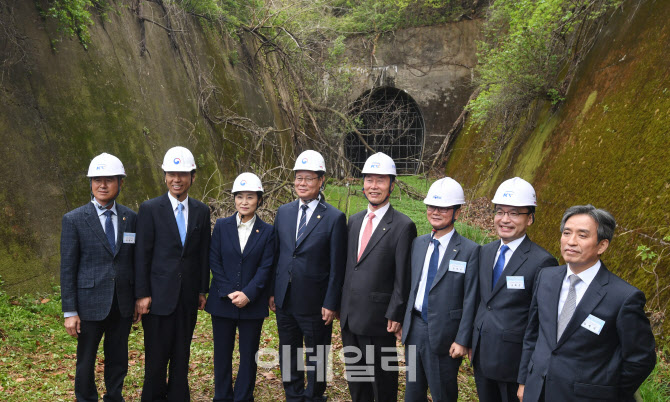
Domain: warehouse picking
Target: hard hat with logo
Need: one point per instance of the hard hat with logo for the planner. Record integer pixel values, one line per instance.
(106, 165)
(247, 182)
(178, 159)
(379, 163)
(445, 192)
(515, 192)
(310, 160)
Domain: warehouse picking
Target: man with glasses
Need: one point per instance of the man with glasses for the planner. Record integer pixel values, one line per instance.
(507, 270)
(376, 286)
(438, 319)
(310, 241)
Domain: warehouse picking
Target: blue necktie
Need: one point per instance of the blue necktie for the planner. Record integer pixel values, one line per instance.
(109, 230)
(500, 264)
(303, 223)
(432, 271)
(181, 223)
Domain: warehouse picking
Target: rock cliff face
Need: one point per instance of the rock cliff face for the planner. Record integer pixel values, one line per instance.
(63, 104)
(607, 145)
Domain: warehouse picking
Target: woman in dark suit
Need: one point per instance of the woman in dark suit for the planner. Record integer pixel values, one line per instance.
(240, 258)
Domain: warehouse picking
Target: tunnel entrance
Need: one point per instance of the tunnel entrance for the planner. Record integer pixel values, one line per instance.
(390, 121)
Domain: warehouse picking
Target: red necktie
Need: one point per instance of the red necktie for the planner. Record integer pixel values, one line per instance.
(367, 233)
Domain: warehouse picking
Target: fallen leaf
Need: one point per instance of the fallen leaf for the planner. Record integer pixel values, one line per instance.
(45, 301)
(20, 379)
(269, 375)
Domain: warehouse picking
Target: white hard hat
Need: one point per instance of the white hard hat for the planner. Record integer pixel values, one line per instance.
(379, 163)
(310, 160)
(247, 182)
(106, 165)
(445, 192)
(178, 159)
(515, 192)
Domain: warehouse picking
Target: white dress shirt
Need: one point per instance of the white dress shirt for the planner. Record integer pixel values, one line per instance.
(513, 245)
(244, 230)
(311, 207)
(175, 202)
(103, 219)
(444, 242)
(379, 214)
(586, 277)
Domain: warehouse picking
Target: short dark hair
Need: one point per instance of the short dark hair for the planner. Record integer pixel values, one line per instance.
(605, 221)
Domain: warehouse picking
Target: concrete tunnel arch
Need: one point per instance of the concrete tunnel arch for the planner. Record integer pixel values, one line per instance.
(390, 121)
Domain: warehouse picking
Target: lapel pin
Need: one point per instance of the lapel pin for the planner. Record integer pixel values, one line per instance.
(124, 218)
(455, 250)
(383, 228)
(318, 217)
(256, 230)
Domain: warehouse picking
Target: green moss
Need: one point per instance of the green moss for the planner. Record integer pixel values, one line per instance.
(589, 102)
(606, 145)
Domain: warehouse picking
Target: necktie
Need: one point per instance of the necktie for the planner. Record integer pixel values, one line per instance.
(568, 307)
(109, 230)
(181, 223)
(432, 271)
(367, 233)
(303, 223)
(500, 264)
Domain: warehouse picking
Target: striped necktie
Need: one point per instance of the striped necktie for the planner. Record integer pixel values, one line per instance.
(303, 223)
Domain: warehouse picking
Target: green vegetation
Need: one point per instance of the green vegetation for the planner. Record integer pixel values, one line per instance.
(368, 16)
(530, 51)
(74, 16)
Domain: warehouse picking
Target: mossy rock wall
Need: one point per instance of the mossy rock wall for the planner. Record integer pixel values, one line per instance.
(63, 104)
(608, 145)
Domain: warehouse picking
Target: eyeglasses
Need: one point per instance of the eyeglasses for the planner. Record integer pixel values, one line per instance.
(441, 210)
(512, 214)
(308, 180)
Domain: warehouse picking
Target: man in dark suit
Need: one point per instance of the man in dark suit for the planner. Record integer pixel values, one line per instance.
(172, 277)
(376, 286)
(97, 275)
(507, 270)
(310, 241)
(588, 337)
(437, 329)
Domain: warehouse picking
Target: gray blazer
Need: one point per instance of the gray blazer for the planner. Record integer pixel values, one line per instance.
(89, 272)
(502, 313)
(582, 365)
(452, 296)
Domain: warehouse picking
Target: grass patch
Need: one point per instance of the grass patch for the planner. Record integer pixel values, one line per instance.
(657, 386)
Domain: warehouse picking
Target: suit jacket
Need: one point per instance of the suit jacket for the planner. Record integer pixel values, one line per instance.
(583, 365)
(376, 287)
(234, 270)
(314, 266)
(89, 270)
(502, 313)
(164, 269)
(452, 296)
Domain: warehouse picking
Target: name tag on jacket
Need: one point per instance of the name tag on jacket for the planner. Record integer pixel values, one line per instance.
(457, 266)
(129, 238)
(515, 282)
(593, 324)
